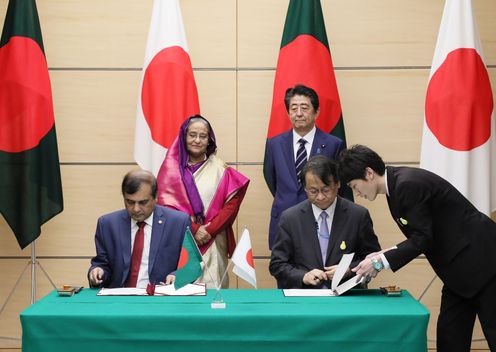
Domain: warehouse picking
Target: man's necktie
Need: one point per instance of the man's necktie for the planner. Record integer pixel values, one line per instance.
(301, 158)
(323, 235)
(139, 241)
(323, 229)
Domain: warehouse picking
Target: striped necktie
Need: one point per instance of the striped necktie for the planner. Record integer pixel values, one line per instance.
(301, 158)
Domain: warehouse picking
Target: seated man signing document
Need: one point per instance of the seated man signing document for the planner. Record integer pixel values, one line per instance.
(313, 235)
(141, 243)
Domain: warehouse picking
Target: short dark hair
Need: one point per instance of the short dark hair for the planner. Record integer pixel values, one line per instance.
(354, 160)
(134, 179)
(323, 167)
(300, 89)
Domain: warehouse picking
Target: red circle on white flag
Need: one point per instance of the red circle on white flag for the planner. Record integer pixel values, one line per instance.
(459, 101)
(249, 258)
(169, 95)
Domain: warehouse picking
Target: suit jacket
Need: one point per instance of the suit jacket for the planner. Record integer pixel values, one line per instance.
(113, 245)
(297, 248)
(280, 171)
(438, 221)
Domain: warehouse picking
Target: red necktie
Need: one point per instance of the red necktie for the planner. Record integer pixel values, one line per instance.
(139, 241)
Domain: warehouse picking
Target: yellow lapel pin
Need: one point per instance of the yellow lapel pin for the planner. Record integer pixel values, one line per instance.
(343, 245)
(404, 222)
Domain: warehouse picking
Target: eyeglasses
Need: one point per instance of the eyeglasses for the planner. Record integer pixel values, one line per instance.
(194, 136)
(326, 191)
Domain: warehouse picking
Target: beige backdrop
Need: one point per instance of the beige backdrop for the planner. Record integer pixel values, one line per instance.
(382, 50)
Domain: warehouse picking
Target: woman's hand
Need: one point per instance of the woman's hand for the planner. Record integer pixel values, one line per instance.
(202, 236)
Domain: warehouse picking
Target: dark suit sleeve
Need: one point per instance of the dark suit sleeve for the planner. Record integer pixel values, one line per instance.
(101, 259)
(269, 169)
(368, 242)
(281, 266)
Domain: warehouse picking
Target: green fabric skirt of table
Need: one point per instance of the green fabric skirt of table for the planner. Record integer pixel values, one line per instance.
(253, 320)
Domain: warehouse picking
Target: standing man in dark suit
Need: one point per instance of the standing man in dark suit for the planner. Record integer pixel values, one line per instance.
(139, 244)
(439, 222)
(287, 152)
(314, 234)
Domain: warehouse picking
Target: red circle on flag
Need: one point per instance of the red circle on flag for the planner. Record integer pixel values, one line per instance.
(249, 258)
(305, 61)
(26, 108)
(459, 101)
(183, 258)
(169, 95)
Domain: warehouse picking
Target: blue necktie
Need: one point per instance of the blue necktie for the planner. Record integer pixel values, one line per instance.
(301, 158)
(323, 235)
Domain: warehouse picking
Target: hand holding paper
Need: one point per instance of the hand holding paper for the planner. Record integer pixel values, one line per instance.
(335, 290)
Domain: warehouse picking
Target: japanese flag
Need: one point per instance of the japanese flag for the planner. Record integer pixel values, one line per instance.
(458, 137)
(242, 259)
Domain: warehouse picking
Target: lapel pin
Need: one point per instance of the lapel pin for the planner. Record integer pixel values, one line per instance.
(343, 245)
(160, 222)
(404, 222)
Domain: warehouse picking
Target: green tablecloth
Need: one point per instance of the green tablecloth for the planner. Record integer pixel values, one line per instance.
(254, 320)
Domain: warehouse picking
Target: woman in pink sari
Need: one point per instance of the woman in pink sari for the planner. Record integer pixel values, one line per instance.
(194, 180)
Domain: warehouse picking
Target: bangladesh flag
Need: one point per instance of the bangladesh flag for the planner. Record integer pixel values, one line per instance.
(189, 267)
(30, 186)
(305, 58)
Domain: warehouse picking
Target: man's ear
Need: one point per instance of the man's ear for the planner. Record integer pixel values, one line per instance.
(369, 174)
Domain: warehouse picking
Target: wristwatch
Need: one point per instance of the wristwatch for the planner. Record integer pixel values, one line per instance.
(377, 263)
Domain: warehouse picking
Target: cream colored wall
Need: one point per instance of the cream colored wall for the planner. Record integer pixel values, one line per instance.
(381, 49)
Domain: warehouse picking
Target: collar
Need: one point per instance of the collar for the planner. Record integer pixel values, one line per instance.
(330, 211)
(148, 220)
(308, 137)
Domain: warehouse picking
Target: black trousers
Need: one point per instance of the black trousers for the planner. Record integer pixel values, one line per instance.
(456, 320)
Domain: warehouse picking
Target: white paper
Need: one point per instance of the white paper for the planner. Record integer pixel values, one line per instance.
(122, 291)
(335, 290)
(188, 290)
(297, 292)
(160, 290)
(348, 284)
(342, 268)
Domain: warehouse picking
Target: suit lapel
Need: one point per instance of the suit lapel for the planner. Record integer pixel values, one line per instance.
(318, 144)
(310, 223)
(158, 230)
(288, 152)
(337, 230)
(125, 239)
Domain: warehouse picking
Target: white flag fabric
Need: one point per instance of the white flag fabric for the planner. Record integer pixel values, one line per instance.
(168, 93)
(242, 259)
(459, 129)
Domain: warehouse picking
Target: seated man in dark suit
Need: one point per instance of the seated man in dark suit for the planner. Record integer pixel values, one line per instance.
(314, 234)
(140, 244)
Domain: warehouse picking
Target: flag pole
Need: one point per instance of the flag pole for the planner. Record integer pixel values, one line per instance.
(33, 272)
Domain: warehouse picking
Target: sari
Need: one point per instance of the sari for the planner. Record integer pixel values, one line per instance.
(211, 192)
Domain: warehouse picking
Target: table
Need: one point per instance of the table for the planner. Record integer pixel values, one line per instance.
(253, 320)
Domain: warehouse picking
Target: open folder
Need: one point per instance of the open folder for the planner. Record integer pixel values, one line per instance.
(335, 289)
(160, 290)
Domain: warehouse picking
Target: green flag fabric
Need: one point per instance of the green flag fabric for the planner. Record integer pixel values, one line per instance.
(30, 184)
(189, 267)
(305, 58)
